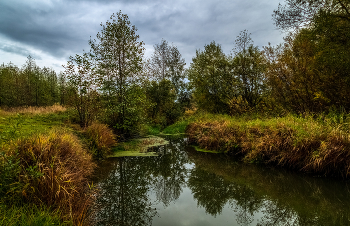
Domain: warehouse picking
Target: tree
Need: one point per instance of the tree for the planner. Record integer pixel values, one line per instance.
(317, 57)
(167, 63)
(167, 91)
(301, 13)
(82, 91)
(249, 70)
(210, 76)
(118, 54)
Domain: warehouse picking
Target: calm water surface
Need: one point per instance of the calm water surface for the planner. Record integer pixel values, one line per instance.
(185, 187)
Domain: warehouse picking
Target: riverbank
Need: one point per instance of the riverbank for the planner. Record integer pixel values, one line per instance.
(45, 164)
(318, 145)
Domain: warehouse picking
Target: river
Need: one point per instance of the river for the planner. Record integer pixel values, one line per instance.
(182, 187)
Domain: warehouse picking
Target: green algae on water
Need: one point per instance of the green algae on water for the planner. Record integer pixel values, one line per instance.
(138, 147)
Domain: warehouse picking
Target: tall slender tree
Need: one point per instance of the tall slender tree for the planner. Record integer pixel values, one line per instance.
(118, 54)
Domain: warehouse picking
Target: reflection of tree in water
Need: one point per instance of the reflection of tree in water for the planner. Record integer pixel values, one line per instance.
(170, 172)
(123, 199)
(245, 202)
(216, 183)
(212, 192)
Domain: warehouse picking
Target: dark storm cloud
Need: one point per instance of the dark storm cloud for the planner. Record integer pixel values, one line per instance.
(63, 27)
(50, 29)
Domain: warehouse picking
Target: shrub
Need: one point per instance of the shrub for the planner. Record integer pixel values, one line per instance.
(100, 139)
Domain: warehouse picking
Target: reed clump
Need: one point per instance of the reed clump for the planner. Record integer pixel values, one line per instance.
(100, 139)
(304, 144)
(53, 169)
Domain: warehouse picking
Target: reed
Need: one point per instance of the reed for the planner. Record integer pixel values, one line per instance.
(301, 143)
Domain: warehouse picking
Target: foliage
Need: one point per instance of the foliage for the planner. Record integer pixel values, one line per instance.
(28, 86)
(211, 79)
(82, 91)
(166, 89)
(305, 144)
(249, 71)
(118, 55)
(53, 170)
(29, 215)
(296, 13)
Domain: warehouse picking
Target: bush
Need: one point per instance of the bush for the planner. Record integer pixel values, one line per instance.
(100, 139)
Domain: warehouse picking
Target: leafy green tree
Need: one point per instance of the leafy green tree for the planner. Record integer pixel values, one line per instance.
(166, 90)
(249, 70)
(315, 60)
(83, 95)
(28, 86)
(211, 78)
(118, 54)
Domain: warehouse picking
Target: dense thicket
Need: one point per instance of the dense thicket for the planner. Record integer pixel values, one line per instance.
(29, 85)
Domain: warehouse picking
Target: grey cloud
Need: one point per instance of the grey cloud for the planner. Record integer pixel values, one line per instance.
(19, 50)
(62, 27)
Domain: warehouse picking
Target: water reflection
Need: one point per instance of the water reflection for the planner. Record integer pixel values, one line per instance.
(230, 193)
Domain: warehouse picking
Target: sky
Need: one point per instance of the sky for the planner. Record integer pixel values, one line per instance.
(52, 30)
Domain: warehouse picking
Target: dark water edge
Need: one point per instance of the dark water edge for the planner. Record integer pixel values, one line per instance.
(184, 187)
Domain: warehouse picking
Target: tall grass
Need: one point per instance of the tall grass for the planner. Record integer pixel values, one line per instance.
(100, 139)
(303, 143)
(53, 170)
(29, 215)
(33, 110)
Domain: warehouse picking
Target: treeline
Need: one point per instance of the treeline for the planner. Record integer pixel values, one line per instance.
(113, 83)
(30, 85)
(309, 72)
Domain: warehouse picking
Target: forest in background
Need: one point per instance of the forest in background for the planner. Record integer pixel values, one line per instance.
(113, 83)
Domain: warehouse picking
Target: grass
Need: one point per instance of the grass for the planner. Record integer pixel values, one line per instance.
(100, 139)
(43, 163)
(177, 128)
(204, 150)
(34, 110)
(309, 144)
(29, 215)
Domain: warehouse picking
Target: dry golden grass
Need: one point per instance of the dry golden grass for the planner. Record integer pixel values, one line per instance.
(101, 138)
(33, 110)
(301, 144)
(64, 166)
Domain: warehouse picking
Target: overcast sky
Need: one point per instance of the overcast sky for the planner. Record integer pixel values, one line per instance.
(52, 30)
